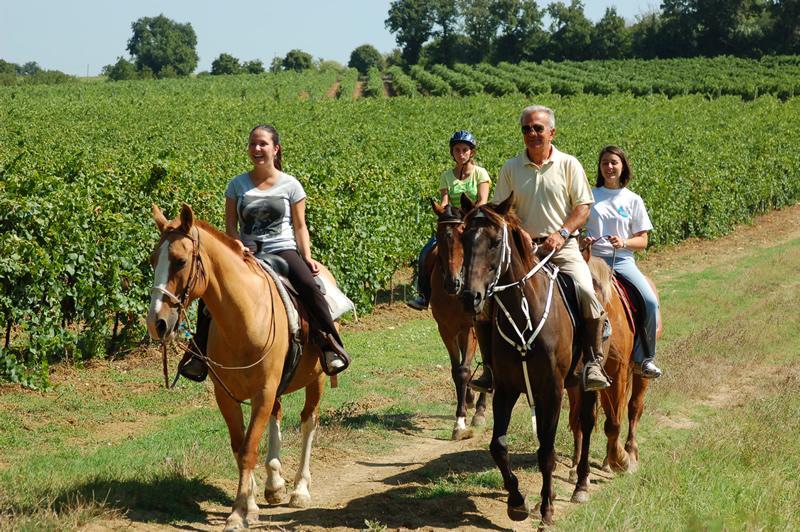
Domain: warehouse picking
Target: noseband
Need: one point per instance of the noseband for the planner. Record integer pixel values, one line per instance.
(197, 267)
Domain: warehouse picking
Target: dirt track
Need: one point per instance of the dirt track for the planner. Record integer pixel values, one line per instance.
(383, 490)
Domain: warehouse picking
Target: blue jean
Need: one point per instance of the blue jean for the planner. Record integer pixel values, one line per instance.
(644, 346)
(423, 277)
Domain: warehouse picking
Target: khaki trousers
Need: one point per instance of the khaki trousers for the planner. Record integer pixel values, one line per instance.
(570, 261)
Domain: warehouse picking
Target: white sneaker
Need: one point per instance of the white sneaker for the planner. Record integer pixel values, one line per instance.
(650, 370)
(333, 361)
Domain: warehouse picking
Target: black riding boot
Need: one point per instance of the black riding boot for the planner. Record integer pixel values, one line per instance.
(484, 383)
(192, 367)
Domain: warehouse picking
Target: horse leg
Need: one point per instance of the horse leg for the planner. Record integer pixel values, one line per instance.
(245, 509)
(635, 410)
(469, 347)
(502, 405)
(309, 419)
(613, 401)
(460, 375)
(274, 485)
(587, 420)
(574, 396)
(547, 403)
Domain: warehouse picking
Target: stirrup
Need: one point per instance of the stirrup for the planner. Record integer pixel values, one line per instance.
(595, 385)
(484, 383)
(193, 369)
(419, 303)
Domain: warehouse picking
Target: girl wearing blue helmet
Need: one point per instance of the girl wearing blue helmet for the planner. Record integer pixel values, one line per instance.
(465, 177)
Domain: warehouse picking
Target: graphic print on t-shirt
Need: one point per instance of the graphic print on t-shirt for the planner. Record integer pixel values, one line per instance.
(263, 216)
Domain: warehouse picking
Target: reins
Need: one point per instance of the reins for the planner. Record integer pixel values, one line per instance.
(197, 267)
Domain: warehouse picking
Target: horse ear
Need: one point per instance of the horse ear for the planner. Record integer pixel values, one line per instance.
(437, 207)
(505, 205)
(158, 216)
(187, 218)
(466, 203)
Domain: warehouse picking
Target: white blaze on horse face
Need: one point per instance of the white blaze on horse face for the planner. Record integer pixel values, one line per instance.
(159, 280)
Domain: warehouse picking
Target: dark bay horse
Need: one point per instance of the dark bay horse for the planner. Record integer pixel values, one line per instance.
(531, 342)
(247, 345)
(456, 327)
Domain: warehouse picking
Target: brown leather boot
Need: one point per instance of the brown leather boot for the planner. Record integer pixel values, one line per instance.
(594, 377)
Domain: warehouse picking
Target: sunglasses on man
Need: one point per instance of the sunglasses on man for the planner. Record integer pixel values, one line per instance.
(538, 128)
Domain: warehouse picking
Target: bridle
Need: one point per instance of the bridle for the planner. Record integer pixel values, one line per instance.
(524, 344)
(182, 302)
(194, 273)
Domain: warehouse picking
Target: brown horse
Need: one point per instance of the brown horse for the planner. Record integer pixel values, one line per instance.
(247, 345)
(626, 386)
(456, 327)
(531, 344)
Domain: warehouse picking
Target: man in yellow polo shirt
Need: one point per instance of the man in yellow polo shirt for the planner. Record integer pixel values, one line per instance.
(552, 198)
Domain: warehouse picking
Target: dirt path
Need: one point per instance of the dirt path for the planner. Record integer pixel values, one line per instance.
(384, 491)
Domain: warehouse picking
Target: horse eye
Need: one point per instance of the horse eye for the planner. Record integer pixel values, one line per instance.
(180, 263)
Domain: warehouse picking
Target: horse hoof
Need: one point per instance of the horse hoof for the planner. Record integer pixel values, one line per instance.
(633, 466)
(606, 469)
(580, 496)
(461, 434)
(299, 500)
(275, 497)
(573, 475)
(518, 513)
(478, 420)
(234, 522)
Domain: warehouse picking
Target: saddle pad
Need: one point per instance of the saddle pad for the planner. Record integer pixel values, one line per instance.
(624, 288)
(291, 311)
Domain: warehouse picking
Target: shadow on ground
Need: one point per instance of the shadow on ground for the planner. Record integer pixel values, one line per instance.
(405, 505)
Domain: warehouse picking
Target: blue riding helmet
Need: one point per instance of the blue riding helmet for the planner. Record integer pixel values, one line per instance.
(463, 136)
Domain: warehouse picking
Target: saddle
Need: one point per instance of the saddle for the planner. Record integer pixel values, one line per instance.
(300, 333)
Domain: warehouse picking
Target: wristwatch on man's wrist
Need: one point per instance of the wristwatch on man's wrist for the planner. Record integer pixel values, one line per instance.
(564, 232)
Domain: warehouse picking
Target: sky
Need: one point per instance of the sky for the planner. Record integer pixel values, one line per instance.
(79, 37)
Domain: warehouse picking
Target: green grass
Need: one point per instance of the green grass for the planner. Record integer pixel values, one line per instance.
(110, 440)
(735, 467)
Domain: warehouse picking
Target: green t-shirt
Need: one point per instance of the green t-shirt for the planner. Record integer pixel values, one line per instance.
(469, 185)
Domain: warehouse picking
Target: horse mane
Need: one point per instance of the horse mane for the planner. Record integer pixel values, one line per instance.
(520, 236)
(228, 242)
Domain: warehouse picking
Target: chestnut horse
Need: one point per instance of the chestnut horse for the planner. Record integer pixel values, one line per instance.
(531, 344)
(626, 386)
(247, 345)
(456, 327)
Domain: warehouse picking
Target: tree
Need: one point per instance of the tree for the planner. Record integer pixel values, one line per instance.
(570, 31)
(225, 64)
(31, 68)
(786, 30)
(412, 21)
(120, 71)
(521, 33)
(610, 38)
(158, 42)
(480, 28)
(644, 36)
(254, 66)
(8, 68)
(365, 57)
(297, 60)
(276, 65)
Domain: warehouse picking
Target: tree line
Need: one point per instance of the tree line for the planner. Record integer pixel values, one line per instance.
(474, 31)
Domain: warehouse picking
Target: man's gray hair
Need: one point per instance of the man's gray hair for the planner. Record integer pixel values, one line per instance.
(538, 109)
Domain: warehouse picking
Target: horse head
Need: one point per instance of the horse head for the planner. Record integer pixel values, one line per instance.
(177, 266)
(486, 253)
(449, 227)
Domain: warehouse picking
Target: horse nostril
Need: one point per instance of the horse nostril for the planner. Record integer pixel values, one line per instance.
(161, 328)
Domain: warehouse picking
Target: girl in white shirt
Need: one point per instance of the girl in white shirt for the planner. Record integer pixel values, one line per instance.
(618, 225)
